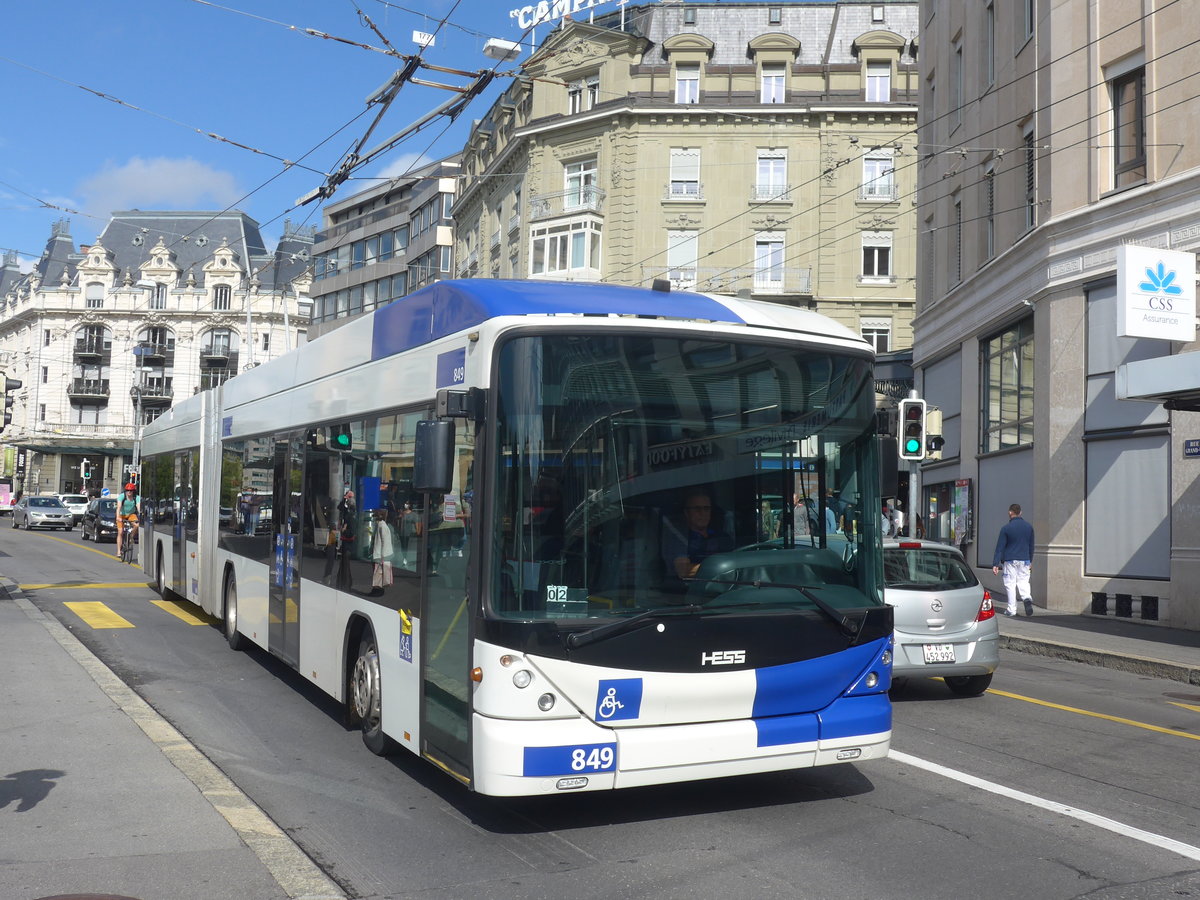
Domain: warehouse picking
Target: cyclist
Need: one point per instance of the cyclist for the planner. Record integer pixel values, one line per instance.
(127, 510)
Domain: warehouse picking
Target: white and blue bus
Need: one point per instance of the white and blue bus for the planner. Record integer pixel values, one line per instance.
(550, 537)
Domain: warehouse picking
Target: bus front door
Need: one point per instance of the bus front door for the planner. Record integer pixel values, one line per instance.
(283, 630)
(445, 632)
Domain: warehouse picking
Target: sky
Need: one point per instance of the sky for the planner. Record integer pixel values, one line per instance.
(108, 104)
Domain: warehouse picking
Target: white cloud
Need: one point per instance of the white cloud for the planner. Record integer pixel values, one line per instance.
(160, 183)
(404, 163)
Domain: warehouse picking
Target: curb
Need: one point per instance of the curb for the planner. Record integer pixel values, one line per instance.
(298, 876)
(1137, 665)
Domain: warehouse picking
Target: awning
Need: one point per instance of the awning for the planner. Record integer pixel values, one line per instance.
(1173, 381)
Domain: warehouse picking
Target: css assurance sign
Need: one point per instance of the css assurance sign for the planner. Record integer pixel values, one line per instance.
(1156, 293)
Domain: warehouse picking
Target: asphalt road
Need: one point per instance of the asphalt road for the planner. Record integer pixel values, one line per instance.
(1063, 781)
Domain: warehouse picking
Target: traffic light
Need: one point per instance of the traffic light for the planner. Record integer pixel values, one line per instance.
(339, 437)
(10, 385)
(912, 429)
(934, 442)
(85, 469)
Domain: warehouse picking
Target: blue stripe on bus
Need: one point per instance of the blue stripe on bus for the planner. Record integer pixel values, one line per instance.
(850, 716)
(788, 730)
(810, 684)
(446, 307)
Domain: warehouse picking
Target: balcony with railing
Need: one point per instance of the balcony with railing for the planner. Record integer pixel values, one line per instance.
(88, 389)
(773, 281)
(684, 190)
(156, 353)
(218, 356)
(577, 200)
(879, 192)
(769, 192)
(156, 391)
(92, 347)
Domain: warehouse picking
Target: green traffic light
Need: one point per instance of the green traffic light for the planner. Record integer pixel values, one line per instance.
(912, 445)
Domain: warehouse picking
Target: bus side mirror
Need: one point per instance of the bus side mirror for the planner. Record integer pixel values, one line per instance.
(433, 463)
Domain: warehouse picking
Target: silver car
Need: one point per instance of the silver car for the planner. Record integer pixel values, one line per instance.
(42, 512)
(944, 621)
(76, 503)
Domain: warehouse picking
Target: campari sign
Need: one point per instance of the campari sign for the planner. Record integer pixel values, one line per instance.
(1156, 293)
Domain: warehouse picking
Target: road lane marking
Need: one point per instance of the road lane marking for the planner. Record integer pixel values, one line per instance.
(1095, 715)
(96, 614)
(1137, 834)
(1185, 706)
(181, 609)
(76, 585)
(79, 546)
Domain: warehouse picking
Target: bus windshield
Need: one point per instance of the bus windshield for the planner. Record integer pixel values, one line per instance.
(640, 472)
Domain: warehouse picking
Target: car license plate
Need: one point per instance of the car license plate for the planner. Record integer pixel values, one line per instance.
(939, 653)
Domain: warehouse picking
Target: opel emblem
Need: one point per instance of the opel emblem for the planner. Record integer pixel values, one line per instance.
(936, 605)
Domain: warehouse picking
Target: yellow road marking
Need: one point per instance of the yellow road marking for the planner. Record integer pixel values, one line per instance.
(76, 585)
(1096, 715)
(181, 609)
(1185, 706)
(96, 614)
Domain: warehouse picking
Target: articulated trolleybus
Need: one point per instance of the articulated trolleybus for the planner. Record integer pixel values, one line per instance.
(551, 537)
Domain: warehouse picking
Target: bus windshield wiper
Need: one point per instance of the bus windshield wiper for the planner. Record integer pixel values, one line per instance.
(850, 627)
(611, 629)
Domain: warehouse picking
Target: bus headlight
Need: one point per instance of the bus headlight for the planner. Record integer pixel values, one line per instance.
(522, 678)
(886, 658)
(546, 702)
(872, 680)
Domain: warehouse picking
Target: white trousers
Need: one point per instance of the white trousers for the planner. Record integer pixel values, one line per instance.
(1016, 580)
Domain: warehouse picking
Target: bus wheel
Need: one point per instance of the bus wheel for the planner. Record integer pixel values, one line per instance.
(160, 577)
(230, 615)
(366, 697)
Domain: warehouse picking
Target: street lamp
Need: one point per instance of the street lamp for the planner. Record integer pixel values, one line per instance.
(135, 392)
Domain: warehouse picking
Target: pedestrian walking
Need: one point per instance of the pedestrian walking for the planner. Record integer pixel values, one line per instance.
(1014, 552)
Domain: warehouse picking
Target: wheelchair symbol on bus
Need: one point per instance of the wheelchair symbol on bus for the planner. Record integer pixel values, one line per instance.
(619, 698)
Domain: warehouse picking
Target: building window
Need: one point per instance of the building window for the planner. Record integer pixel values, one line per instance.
(94, 295)
(877, 256)
(1025, 9)
(689, 16)
(878, 333)
(682, 254)
(1007, 384)
(45, 374)
(687, 83)
(1030, 179)
(1129, 128)
(775, 15)
(956, 83)
(876, 13)
(768, 261)
(771, 183)
(583, 93)
(567, 247)
(685, 173)
(989, 43)
(580, 184)
(879, 82)
(41, 412)
(45, 337)
(158, 299)
(267, 339)
(773, 82)
(221, 296)
(879, 176)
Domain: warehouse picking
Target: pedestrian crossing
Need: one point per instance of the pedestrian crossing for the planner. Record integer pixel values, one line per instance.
(99, 615)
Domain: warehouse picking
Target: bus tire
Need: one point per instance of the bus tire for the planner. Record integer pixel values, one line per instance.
(366, 696)
(229, 614)
(160, 578)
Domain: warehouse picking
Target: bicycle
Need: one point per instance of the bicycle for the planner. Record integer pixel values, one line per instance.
(127, 543)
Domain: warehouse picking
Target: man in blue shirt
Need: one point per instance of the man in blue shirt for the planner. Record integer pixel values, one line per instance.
(684, 548)
(1014, 552)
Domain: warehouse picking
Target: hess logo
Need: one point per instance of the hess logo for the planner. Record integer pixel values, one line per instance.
(723, 658)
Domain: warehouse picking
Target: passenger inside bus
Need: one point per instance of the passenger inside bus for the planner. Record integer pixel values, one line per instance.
(688, 540)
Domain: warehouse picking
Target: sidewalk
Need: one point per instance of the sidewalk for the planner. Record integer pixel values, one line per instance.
(1123, 644)
(99, 795)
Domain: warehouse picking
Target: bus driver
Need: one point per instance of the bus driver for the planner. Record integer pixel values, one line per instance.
(127, 510)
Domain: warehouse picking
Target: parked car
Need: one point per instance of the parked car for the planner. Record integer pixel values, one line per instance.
(42, 511)
(76, 503)
(944, 621)
(100, 521)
